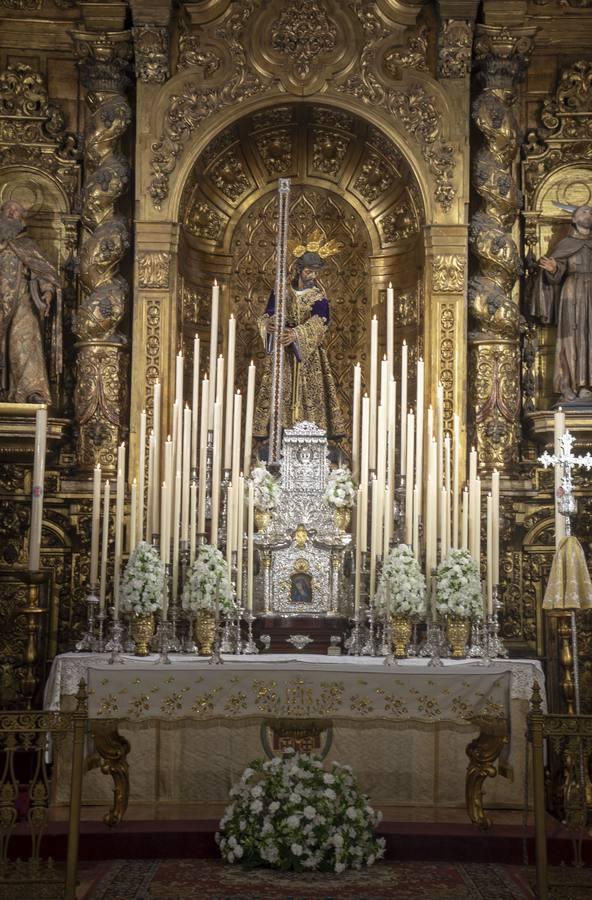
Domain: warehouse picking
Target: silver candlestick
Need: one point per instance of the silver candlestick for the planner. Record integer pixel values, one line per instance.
(355, 640)
(238, 641)
(216, 657)
(101, 636)
(250, 647)
(163, 642)
(115, 646)
(88, 641)
(369, 648)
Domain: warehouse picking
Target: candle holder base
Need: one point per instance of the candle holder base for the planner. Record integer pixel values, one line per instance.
(115, 646)
(433, 645)
(369, 647)
(355, 639)
(238, 640)
(88, 641)
(226, 645)
(250, 648)
(163, 643)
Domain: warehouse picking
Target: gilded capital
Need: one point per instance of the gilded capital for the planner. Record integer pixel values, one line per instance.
(503, 53)
(104, 59)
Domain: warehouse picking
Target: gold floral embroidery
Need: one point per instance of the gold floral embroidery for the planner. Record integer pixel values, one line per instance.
(362, 705)
(173, 703)
(139, 704)
(108, 705)
(393, 704)
(204, 703)
(428, 706)
(235, 703)
(266, 697)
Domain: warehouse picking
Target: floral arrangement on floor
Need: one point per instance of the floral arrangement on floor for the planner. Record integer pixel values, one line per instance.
(293, 814)
(208, 582)
(265, 489)
(458, 586)
(140, 591)
(340, 491)
(402, 587)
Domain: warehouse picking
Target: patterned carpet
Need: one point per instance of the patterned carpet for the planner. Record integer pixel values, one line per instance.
(213, 880)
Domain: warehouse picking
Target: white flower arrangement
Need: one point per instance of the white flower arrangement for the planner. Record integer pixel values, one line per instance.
(293, 814)
(265, 489)
(340, 491)
(402, 587)
(458, 586)
(140, 591)
(208, 582)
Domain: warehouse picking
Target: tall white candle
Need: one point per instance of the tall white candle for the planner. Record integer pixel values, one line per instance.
(390, 330)
(150, 490)
(230, 525)
(440, 431)
(409, 502)
(489, 554)
(104, 546)
(132, 536)
(495, 520)
(404, 363)
(228, 428)
(416, 548)
(464, 538)
(156, 414)
(95, 528)
(447, 486)
(203, 450)
(249, 419)
(165, 546)
(365, 440)
(119, 504)
(175, 532)
(443, 528)
(195, 406)
(179, 369)
(216, 467)
(37, 489)
(373, 388)
(186, 474)
(392, 433)
(139, 521)
(384, 382)
(419, 425)
(250, 546)
(358, 552)
(477, 523)
(559, 431)
(192, 521)
(236, 437)
(213, 350)
(456, 483)
(239, 516)
(356, 421)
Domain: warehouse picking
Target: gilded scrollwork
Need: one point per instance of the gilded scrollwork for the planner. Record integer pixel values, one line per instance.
(229, 175)
(329, 149)
(455, 48)
(204, 221)
(151, 53)
(303, 32)
(503, 58)
(412, 56)
(448, 274)
(399, 222)
(100, 399)
(374, 178)
(153, 268)
(193, 55)
(275, 149)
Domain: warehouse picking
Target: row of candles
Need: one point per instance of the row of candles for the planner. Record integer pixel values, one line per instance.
(389, 462)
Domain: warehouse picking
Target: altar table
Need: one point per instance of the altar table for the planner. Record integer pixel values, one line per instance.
(337, 693)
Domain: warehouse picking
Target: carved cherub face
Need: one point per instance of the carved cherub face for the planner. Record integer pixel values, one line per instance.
(12, 209)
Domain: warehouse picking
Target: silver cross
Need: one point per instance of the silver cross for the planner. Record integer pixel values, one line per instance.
(566, 502)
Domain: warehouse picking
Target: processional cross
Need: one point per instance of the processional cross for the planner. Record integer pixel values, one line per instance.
(566, 502)
(277, 372)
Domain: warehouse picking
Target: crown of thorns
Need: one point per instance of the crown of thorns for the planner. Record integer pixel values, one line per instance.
(315, 244)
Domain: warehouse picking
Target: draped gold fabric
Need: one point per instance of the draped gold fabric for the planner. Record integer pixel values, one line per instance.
(569, 586)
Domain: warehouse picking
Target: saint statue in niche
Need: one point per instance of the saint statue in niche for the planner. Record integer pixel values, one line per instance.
(563, 295)
(309, 387)
(28, 283)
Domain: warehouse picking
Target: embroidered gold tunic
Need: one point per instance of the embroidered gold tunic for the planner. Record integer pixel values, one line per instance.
(309, 392)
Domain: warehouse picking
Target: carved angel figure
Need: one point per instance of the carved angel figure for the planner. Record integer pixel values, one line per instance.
(562, 294)
(28, 283)
(309, 387)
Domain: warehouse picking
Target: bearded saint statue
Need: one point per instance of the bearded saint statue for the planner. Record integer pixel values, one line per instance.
(28, 283)
(309, 387)
(562, 294)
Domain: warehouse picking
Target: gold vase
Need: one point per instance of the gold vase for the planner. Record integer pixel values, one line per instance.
(401, 631)
(262, 519)
(342, 518)
(142, 633)
(205, 632)
(458, 631)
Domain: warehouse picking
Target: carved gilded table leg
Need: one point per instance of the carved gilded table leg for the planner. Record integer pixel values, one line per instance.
(111, 755)
(483, 753)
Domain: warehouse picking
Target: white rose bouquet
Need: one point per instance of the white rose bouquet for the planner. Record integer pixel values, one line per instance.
(402, 587)
(140, 591)
(340, 491)
(265, 489)
(208, 582)
(293, 814)
(458, 586)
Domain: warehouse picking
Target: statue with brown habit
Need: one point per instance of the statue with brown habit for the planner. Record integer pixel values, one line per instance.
(28, 284)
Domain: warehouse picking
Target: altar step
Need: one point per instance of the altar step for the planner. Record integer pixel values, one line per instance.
(284, 631)
(415, 834)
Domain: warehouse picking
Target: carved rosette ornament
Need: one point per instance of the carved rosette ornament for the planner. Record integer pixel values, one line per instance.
(151, 53)
(105, 65)
(502, 56)
(455, 43)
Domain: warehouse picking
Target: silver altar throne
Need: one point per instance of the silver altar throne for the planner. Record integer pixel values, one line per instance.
(302, 551)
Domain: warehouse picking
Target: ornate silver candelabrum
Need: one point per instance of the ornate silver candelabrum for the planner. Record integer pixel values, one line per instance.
(238, 640)
(216, 657)
(433, 644)
(498, 650)
(250, 647)
(163, 642)
(101, 630)
(174, 643)
(115, 645)
(369, 648)
(88, 641)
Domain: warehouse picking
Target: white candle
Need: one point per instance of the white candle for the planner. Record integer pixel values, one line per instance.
(381, 445)
(416, 549)
(409, 502)
(175, 532)
(456, 482)
(132, 534)
(156, 462)
(186, 474)
(384, 382)
(230, 525)
(150, 490)
(358, 554)
(365, 440)
(388, 518)
(250, 538)
(195, 406)
(220, 381)
(95, 528)
(356, 422)
(404, 362)
(559, 431)
(392, 433)
(374, 535)
(363, 539)
(477, 523)
(373, 388)
(203, 450)
(164, 543)
(443, 528)
(37, 489)
(464, 538)
(390, 330)
(239, 518)
(249, 420)
(213, 351)
(419, 424)
(430, 530)
(193, 521)
(216, 466)
(104, 546)
(489, 554)
(495, 514)
(440, 430)
(179, 380)
(139, 520)
(236, 437)
(228, 432)
(119, 504)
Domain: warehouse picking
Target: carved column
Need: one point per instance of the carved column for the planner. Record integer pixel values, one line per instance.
(502, 56)
(101, 389)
